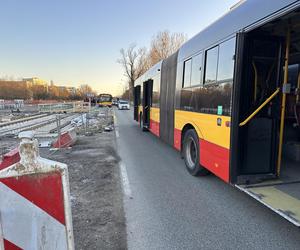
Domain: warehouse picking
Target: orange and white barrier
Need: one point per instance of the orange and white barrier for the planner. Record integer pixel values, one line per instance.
(35, 208)
(66, 139)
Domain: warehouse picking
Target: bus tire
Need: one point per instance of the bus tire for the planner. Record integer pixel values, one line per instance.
(191, 154)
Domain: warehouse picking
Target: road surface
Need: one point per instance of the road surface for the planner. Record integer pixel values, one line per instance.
(166, 208)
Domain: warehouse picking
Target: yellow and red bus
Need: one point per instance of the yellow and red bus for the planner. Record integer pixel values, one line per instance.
(228, 101)
(105, 100)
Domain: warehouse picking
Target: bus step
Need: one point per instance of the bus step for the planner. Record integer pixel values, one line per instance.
(283, 199)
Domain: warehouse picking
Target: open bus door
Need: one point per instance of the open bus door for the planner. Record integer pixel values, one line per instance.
(136, 102)
(259, 107)
(147, 102)
(261, 164)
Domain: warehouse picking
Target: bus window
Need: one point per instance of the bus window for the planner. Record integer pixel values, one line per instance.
(186, 98)
(187, 73)
(211, 63)
(226, 61)
(156, 91)
(196, 70)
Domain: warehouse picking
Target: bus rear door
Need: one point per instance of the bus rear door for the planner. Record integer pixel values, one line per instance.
(147, 102)
(137, 102)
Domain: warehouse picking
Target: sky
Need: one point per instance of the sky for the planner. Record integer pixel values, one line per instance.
(75, 42)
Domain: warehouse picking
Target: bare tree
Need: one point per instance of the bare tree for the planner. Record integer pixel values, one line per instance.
(134, 62)
(165, 44)
(85, 89)
(144, 62)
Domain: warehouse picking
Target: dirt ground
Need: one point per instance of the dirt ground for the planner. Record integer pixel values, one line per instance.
(96, 193)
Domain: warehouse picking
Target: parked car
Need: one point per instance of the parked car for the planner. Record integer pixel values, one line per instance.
(123, 104)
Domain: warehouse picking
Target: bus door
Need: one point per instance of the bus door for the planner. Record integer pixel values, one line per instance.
(265, 130)
(259, 107)
(147, 102)
(137, 101)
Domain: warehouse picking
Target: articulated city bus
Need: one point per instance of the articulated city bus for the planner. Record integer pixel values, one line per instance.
(228, 100)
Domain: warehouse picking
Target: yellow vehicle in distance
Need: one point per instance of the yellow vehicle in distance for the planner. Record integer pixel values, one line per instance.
(105, 100)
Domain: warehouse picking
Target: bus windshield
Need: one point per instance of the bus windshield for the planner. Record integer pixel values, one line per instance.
(105, 98)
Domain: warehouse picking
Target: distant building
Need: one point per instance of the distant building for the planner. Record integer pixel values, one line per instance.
(35, 81)
(62, 88)
(72, 90)
(14, 90)
(32, 81)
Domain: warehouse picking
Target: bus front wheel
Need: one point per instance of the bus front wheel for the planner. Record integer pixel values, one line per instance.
(191, 154)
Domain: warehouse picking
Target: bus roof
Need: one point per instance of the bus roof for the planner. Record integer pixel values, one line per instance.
(238, 18)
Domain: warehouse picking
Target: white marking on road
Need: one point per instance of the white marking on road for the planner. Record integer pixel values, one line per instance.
(116, 125)
(125, 180)
(115, 117)
(124, 175)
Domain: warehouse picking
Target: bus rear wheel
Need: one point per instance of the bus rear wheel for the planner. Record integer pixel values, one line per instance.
(191, 154)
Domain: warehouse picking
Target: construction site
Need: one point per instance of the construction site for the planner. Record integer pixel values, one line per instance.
(82, 137)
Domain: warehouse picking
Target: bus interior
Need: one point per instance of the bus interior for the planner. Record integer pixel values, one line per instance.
(268, 114)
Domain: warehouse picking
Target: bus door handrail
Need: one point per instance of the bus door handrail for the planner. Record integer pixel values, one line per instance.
(259, 108)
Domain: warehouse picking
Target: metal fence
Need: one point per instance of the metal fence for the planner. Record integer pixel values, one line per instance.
(11, 104)
(63, 107)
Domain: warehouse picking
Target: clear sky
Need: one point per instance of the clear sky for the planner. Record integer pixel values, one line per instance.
(78, 41)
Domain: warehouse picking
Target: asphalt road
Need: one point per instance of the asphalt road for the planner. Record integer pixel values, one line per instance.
(166, 208)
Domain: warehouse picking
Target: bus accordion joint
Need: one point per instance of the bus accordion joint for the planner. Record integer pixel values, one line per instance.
(259, 108)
